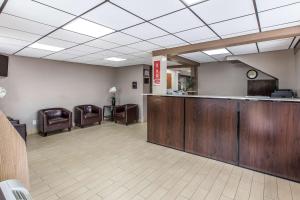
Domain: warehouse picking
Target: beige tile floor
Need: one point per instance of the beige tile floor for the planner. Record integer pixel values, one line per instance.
(115, 162)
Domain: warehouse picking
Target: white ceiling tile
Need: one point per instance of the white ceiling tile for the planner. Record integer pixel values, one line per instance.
(285, 25)
(275, 45)
(19, 35)
(178, 21)
(56, 42)
(37, 12)
(270, 4)
(84, 48)
(144, 46)
(37, 53)
(239, 25)
(168, 41)
(120, 38)
(12, 41)
(280, 16)
(99, 43)
(243, 49)
(10, 46)
(240, 33)
(221, 57)
(70, 36)
(17, 23)
(113, 17)
(125, 50)
(61, 56)
(217, 10)
(83, 59)
(198, 57)
(145, 31)
(197, 35)
(109, 53)
(75, 7)
(150, 9)
(143, 55)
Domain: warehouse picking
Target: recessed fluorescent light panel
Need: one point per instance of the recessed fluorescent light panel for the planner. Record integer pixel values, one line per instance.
(46, 47)
(114, 59)
(216, 52)
(87, 28)
(191, 2)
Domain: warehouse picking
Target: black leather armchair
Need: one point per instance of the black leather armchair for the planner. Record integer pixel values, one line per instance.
(87, 115)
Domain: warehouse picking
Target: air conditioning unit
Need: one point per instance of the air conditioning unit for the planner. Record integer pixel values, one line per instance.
(13, 190)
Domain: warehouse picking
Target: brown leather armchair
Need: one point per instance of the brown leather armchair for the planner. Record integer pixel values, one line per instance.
(54, 119)
(126, 114)
(87, 115)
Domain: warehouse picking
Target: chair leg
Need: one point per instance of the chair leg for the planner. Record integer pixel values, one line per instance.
(69, 129)
(45, 134)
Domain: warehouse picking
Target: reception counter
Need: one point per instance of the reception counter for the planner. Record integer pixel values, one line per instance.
(262, 134)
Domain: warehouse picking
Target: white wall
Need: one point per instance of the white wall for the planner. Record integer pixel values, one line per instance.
(280, 64)
(224, 78)
(124, 77)
(33, 84)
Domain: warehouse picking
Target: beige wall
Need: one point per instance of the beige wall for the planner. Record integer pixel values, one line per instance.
(224, 78)
(124, 77)
(34, 84)
(280, 64)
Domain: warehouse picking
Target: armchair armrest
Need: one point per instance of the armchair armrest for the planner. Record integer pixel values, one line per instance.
(66, 113)
(42, 120)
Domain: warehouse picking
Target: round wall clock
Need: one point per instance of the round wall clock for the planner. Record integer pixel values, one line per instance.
(252, 74)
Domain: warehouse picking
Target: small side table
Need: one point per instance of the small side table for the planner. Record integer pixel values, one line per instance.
(108, 113)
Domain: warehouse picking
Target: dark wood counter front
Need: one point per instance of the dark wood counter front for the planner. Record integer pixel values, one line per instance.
(262, 135)
(211, 128)
(270, 137)
(166, 121)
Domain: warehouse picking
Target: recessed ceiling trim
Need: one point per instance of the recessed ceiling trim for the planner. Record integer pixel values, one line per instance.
(240, 40)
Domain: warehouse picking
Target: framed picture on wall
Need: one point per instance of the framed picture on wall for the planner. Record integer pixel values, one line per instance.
(134, 85)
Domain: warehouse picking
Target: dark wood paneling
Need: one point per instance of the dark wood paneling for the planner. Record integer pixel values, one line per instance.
(270, 137)
(211, 128)
(166, 121)
(261, 87)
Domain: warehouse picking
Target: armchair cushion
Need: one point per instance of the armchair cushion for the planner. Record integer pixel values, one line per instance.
(91, 115)
(57, 120)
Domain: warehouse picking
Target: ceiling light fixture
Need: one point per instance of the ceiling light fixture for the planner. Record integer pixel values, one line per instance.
(46, 47)
(191, 2)
(88, 28)
(114, 59)
(216, 52)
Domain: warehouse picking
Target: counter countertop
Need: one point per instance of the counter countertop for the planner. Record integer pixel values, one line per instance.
(231, 97)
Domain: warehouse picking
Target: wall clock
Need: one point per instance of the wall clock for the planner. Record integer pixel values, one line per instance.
(252, 74)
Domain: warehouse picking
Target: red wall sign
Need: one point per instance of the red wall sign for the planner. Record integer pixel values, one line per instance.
(156, 74)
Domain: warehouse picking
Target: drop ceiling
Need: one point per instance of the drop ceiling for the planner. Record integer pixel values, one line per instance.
(140, 26)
